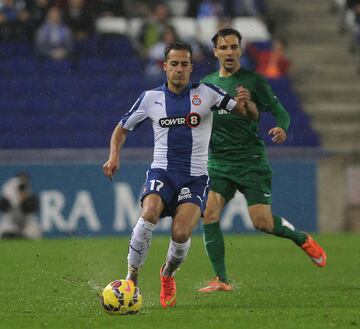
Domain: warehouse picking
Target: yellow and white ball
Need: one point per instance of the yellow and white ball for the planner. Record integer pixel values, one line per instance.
(121, 297)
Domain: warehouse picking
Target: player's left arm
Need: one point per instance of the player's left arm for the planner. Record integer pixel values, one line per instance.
(279, 133)
(269, 102)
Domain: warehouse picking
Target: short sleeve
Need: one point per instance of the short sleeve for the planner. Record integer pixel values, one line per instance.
(219, 99)
(136, 115)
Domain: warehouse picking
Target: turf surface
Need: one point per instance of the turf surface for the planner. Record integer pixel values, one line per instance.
(55, 284)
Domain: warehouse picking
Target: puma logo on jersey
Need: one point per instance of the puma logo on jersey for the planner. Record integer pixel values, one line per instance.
(159, 103)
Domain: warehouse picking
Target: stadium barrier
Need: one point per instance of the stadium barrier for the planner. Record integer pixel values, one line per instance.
(77, 199)
(201, 29)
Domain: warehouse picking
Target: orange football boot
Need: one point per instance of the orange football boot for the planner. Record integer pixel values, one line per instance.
(168, 290)
(216, 285)
(314, 251)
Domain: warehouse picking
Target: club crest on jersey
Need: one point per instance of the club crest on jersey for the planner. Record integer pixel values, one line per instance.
(192, 120)
(184, 194)
(196, 100)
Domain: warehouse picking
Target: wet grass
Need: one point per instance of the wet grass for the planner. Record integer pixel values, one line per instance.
(55, 284)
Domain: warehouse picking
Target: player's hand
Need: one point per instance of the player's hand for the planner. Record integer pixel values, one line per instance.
(252, 112)
(110, 167)
(279, 135)
(242, 94)
(241, 105)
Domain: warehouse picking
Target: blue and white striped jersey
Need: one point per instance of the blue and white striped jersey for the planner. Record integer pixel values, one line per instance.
(182, 124)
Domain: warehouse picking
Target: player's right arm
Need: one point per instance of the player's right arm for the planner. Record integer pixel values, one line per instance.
(117, 141)
(128, 122)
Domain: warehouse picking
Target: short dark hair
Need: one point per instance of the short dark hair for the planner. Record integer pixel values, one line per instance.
(225, 32)
(177, 46)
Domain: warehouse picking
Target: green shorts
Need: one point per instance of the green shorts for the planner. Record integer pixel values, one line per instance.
(254, 182)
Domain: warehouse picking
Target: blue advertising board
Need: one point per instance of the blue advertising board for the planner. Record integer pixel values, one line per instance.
(78, 199)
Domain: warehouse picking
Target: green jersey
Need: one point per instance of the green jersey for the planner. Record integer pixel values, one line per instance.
(234, 139)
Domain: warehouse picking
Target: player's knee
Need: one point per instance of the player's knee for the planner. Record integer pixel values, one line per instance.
(150, 214)
(263, 223)
(180, 235)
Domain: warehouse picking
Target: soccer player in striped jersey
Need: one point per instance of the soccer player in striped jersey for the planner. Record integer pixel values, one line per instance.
(237, 161)
(177, 182)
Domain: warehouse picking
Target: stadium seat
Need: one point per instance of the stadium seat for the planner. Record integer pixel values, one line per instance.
(134, 26)
(18, 66)
(115, 46)
(10, 49)
(77, 104)
(92, 66)
(185, 26)
(251, 28)
(262, 45)
(111, 25)
(207, 27)
(178, 7)
(86, 47)
(56, 68)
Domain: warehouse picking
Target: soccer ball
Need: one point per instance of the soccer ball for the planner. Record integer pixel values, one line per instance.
(121, 297)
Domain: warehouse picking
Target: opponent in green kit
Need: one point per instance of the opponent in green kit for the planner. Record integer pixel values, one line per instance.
(237, 160)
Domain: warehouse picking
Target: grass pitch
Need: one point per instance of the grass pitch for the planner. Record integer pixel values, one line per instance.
(55, 284)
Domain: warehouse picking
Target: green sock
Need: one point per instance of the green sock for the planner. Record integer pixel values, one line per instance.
(215, 249)
(284, 229)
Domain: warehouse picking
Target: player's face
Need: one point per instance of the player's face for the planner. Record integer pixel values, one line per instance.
(178, 69)
(228, 53)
